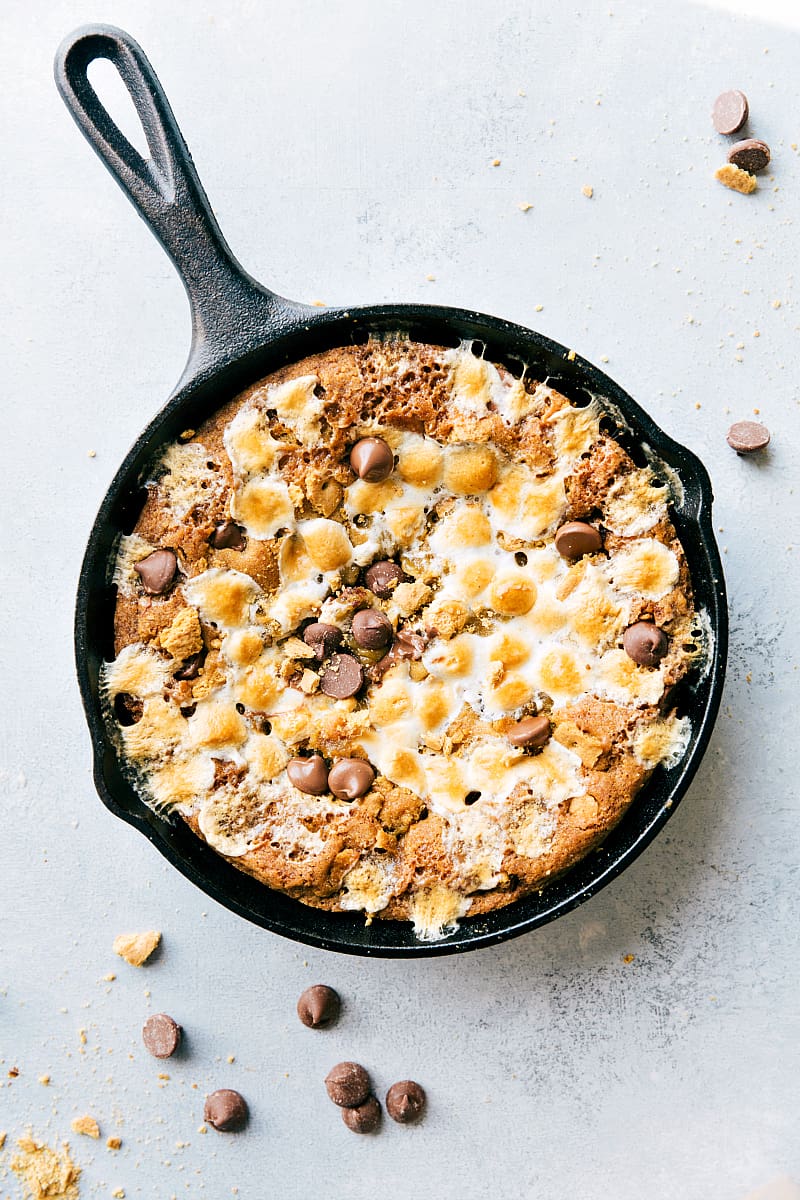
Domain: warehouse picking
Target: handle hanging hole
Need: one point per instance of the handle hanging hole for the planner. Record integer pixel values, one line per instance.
(116, 100)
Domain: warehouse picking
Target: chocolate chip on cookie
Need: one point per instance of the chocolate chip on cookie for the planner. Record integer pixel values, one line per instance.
(530, 732)
(350, 778)
(323, 639)
(309, 775)
(372, 629)
(371, 458)
(342, 676)
(157, 571)
(645, 643)
(577, 538)
(228, 536)
(383, 577)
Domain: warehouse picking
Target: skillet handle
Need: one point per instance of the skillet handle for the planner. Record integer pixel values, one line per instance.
(231, 312)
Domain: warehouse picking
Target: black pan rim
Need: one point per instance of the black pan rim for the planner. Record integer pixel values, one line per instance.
(345, 933)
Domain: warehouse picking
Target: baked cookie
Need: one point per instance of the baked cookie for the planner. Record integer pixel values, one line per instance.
(396, 632)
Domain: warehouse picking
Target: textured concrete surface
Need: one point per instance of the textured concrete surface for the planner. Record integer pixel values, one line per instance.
(347, 149)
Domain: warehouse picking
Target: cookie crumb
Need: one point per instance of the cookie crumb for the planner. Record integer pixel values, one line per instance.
(3, 1137)
(87, 1126)
(136, 948)
(118, 1194)
(92, 453)
(525, 206)
(431, 278)
(587, 190)
(44, 1080)
(495, 162)
(736, 179)
(110, 977)
(318, 304)
(628, 958)
(46, 1172)
(82, 1036)
(113, 1143)
(538, 308)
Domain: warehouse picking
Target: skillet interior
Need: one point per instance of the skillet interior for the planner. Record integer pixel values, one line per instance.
(305, 332)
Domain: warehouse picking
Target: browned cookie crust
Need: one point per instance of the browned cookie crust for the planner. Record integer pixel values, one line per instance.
(424, 739)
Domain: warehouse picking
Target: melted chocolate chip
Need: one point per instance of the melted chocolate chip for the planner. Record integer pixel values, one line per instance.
(645, 643)
(371, 458)
(228, 536)
(318, 1006)
(409, 645)
(157, 571)
(577, 538)
(405, 1101)
(750, 155)
(226, 1110)
(383, 577)
(348, 1084)
(309, 775)
(350, 778)
(161, 1035)
(372, 630)
(190, 667)
(365, 1118)
(730, 111)
(128, 709)
(342, 677)
(323, 639)
(530, 732)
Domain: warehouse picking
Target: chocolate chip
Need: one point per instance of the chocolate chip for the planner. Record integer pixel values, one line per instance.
(226, 1110)
(128, 709)
(750, 155)
(372, 630)
(730, 111)
(341, 677)
(323, 639)
(409, 645)
(577, 538)
(383, 577)
(372, 459)
(309, 775)
(228, 536)
(350, 778)
(405, 1101)
(157, 571)
(645, 643)
(745, 437)
(348, 1084)
(530, 732)
(318, 1006)
(190, 667)
(161, 1035)
(365, 1118)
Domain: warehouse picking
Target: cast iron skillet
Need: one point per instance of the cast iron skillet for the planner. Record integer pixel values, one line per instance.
(240, 332)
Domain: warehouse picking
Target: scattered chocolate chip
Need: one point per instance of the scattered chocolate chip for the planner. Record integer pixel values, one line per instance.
(157, 571)
(318, 1006)
(190, 668)
(309, 775)
(350, 778)
(383, 577)
(372, 629)
(226, 1110)
(577, 538)
(228, 536)
(188, 710)
(372, 459)
(730, 111)
(745, 437)
(348, 1084)
(645, 643)
(128, 709)
(365, 1118)
(341, 677)
(530, 732)
(405, 1101)
(323, 639)
(750, 155)
(161, 1035)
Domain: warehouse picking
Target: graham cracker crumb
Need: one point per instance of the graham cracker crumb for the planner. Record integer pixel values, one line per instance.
(136, 948)
(184, 636)
(525, 206)
(495, 162)
(46, 1174)
(118, 1194)
(110, 977)
(87, 1126)
(3, 1136)
(587, 190)
(113, 1143)
(82, 1036)
(628, 958)
(44, 1080)
(737, 179)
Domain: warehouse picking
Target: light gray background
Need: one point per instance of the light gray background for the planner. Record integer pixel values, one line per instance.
(347, 150)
